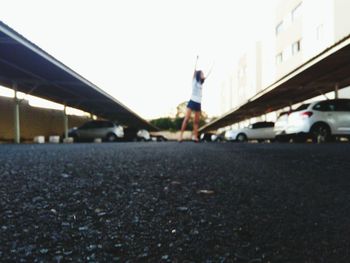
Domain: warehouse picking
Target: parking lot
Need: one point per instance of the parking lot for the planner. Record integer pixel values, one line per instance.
(175, 202)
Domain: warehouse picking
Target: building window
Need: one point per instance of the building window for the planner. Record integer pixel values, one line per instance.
(296, 46)
(279, 28)
(279, 58)
(296, 12)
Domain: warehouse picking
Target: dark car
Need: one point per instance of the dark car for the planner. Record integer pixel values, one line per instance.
(105, 130)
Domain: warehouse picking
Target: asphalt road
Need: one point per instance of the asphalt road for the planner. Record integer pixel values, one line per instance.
(175, 202)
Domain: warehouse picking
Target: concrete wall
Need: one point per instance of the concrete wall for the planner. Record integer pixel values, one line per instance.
(33, 121)
(318, 27)
(245, 81)
(249, 70)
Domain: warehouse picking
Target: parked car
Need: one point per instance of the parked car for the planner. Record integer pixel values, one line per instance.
(281, 126)
(219, 137)
(211, 137)
(106, 130)
(158, 138)
(320, 120)
(207, 137)
(260, 131)
(143, 135)
(132, 134)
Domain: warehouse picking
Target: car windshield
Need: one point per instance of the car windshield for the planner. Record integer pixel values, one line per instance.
(302, 107)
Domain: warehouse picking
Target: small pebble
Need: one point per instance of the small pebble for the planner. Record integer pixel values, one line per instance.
(165, 257)
(65, 175)
(44, 250)
(83, 228)
(53, 211)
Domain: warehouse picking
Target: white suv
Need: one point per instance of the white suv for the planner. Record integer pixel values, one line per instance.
(280, 127)
(320, 120)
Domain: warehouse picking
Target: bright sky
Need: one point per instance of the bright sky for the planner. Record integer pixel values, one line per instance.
(143, 52)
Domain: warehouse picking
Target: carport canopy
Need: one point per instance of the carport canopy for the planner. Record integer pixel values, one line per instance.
(29, 69)
(326, 72)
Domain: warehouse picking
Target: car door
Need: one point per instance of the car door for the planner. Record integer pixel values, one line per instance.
(102, 129)
(93, 130)
(267, 131)
(342, 117)
(254, 132)
(84, 132)
(324, 111)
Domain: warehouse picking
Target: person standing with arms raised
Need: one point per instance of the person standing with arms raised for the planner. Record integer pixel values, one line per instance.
(194, 103)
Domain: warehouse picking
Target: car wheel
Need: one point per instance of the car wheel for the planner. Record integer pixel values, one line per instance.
(74, 136)
(111, 137)
(320, 133)
(242, 137)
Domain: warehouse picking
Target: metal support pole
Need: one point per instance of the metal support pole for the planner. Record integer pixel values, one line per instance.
(336, 91)
(91, 116)
(16, 116)
(65, 119)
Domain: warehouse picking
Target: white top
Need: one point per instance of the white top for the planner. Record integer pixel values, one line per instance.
(196, 91)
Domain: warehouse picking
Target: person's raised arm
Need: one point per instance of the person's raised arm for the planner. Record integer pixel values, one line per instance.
(195, 67)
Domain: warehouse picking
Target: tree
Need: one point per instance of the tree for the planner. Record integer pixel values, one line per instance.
(174, 124)
(164, 123)
(181, 110)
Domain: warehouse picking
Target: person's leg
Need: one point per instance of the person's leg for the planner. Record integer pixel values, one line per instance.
(197, 115)
(184, 123)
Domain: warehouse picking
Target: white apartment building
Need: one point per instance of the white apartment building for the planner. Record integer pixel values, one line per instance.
(303, 29)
